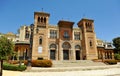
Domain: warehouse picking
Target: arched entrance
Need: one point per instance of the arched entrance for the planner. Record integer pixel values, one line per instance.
(77, 52)
(53, 52)
(66, 46)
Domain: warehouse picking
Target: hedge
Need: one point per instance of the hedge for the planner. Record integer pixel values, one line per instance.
(7, 66)
(40, 63)
(110, 62)
(117, 56)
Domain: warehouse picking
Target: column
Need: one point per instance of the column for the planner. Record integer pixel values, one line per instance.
(112, 55)
(18, 51)
(98, 54)
(73, 53)
(81, 55)
(61, 54)
(103, 55)
(49, 54)
(56, 54)
(24, 53)
(60, 51)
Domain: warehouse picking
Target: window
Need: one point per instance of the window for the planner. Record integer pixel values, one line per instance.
(66, 35)
(52, 46)
(77, 47)
(89, 27)
(90, 43)
(38, 19)
(41, 19)
(27, 33)
(109, 45)
(44, 20)
(77, 35)
(40, 40)
(66, 45)
(53, 34)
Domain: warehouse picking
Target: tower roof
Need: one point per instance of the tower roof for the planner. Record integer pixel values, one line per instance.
(63, 23)
(42, 13)
(84, 19)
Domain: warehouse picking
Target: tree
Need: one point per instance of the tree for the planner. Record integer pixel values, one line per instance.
(116, 43)
(6, 49)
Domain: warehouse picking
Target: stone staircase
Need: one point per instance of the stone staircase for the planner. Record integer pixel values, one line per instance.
(76, 63)
(81, 65)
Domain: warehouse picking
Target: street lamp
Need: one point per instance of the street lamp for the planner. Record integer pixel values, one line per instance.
(31, 43)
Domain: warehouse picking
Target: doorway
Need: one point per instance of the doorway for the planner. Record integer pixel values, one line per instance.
(77, 55)
(52, 54)
(66, 54)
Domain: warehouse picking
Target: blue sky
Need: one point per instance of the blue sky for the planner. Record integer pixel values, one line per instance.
(105, 13)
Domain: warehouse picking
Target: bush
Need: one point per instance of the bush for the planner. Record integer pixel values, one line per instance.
(117, 56)
(40, 63)
(110, 62)
(118, 60)
(14, 62)
(7, 66)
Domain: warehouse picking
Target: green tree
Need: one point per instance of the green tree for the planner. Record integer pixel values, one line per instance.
(116, 43)
(6, 49)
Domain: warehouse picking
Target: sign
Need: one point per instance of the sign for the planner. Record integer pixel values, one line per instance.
(39, 49)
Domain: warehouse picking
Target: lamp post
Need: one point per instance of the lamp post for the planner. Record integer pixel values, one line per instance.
(31, 43)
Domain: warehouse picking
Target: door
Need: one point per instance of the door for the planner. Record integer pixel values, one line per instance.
(77, 55)
(66, 54)
(52, 54)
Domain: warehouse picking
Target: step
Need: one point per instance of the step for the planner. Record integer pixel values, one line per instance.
(63, 69)
(76, 63)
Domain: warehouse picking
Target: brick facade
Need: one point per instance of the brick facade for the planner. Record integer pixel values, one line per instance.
(63, 42)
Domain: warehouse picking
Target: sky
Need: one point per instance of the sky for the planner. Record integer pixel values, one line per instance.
(105, 13)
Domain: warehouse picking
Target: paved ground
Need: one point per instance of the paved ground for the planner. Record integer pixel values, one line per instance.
(105, 72)
(11, 73)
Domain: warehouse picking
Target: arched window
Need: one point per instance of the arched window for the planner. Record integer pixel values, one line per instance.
(90, 43)
(66, 45)
(40, 40)
(38, 19)
(52, 46)
(44, 20)
(77, 47)
(41, 19)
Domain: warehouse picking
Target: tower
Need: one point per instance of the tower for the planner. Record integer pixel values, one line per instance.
(88, 39)
(40, 39)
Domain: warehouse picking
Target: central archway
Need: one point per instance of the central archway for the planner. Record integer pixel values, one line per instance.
(66, 46)
(77, 52)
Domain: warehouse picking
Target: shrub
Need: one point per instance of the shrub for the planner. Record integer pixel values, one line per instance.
(7, 66)
(40, 63)
(97, 60)
(117, 56)
(118, 60)
(14, 62)
(110, 62)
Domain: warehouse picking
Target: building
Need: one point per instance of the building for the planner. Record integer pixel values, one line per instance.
(62, 41)
(11, 36)
(22, 45)
(105, 50)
